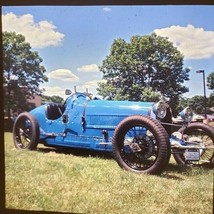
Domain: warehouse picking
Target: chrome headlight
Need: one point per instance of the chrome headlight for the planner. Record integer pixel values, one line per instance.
(187, 114)
(159, 109)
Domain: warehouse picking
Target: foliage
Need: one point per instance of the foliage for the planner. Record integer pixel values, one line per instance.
(136, 67)
(198, 104)
(83, 182)
(211, 100)
(111, 93)
(22, 72)
(53, 99)
(210, 81)
(183, 103)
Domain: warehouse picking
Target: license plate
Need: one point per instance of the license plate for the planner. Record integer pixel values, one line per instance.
(192, 155)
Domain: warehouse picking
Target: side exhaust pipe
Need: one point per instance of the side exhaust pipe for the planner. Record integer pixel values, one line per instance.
(177, 142)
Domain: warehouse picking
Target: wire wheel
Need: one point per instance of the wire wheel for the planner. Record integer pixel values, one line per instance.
(140, 144)
(25, 132)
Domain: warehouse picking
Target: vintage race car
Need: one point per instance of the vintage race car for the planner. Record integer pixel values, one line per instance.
(139, 134)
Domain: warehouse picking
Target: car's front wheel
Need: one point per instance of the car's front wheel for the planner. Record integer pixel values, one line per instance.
(140, 144)
(26, 132)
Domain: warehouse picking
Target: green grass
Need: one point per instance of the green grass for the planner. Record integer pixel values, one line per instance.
(70, 182)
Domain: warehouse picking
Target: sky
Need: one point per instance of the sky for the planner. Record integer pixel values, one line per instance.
(74, 40)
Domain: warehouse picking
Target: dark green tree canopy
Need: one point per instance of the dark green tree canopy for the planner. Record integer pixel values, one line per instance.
(210, 81)
(22, 72)
(133, 69)
(54, 99)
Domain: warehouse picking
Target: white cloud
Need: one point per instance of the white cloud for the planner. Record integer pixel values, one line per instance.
(39, 35)
(63, 75)
(58, 91)
(107, 9)
(89, 68)
(91, 84)
(194, 43)
(54, 91)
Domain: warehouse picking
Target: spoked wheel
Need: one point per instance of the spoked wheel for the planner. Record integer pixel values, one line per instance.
(203, 135)
(26, 132)
(140, 144)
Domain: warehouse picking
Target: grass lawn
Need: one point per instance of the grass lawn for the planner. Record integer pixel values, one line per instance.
(85, 183)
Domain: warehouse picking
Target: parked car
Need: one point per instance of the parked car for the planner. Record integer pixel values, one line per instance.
(139, 134)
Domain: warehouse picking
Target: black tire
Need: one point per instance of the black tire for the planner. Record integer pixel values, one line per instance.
(26, 132)
(148, 150)
(204, 132)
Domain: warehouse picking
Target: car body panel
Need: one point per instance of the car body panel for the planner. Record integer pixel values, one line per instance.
(86, 123)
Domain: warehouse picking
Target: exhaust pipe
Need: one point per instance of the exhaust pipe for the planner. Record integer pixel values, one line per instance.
(177, 142)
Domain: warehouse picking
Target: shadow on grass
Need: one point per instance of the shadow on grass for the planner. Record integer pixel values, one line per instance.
(77, 152)
(172, 171)
(179, 172)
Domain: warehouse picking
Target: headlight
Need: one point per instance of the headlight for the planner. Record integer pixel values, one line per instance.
(187, 114)
(160, 109)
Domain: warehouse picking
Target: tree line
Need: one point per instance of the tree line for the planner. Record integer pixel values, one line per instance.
(140, 70)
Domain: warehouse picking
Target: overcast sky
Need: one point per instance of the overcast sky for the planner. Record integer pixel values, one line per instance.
(73, 40)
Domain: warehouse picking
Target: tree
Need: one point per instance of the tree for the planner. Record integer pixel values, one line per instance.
(22, 73)
(211, 103)
(134, 68)
(197, 104)
(183, 103)
(53, 99)
(210, 81)
(210, 85)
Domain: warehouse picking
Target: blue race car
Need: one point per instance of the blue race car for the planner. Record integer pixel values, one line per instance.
(139, 134)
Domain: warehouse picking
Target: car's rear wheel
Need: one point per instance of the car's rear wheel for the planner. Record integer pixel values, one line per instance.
(141, 144)
(26, 132)
(204, 134)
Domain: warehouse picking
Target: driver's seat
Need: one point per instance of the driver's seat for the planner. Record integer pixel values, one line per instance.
(54, 110)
